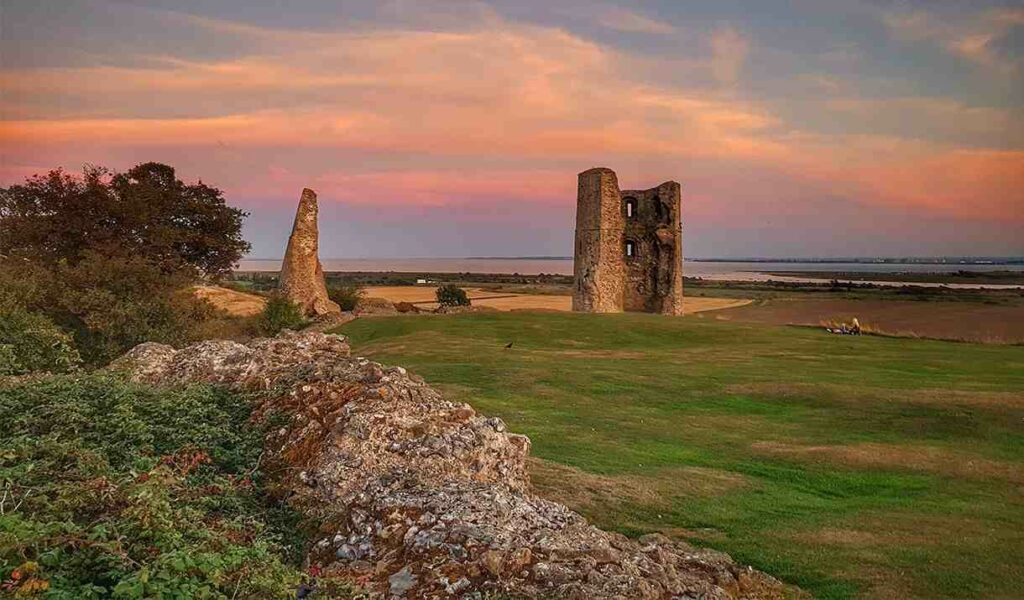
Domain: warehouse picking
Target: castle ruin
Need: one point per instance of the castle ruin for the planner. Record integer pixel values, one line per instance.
(629, 249)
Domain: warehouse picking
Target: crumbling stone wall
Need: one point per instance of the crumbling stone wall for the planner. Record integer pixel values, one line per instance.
(415, 496)
(628, 254)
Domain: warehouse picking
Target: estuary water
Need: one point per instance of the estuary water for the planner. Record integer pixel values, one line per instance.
(717, 270)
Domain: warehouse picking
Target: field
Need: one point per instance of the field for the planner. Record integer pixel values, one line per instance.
(851, 466)
(235, 303)
(423, 296)
(970, 321)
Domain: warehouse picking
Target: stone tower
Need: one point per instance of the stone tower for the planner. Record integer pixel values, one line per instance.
(302, 276)
(629, 250)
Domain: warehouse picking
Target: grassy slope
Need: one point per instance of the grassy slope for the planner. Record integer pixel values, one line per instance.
(849, 466)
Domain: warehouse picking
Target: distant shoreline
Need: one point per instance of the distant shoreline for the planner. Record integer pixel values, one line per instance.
(939, 260)
(994, 277)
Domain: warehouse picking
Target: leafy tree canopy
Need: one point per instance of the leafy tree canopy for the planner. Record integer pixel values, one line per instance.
(145, 213)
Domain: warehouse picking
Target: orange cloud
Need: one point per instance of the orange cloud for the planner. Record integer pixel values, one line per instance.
(517, 99)
(499, 89)
(980, 184)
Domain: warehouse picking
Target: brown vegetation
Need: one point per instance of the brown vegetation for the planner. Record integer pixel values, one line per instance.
(913, 457)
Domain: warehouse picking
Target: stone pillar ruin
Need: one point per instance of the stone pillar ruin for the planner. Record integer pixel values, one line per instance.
(302, 277)
(629, 253)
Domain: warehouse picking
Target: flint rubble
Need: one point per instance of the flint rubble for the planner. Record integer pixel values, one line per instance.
(416, 496)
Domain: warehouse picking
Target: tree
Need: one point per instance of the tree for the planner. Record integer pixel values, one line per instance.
(145, 213)
(109, 257)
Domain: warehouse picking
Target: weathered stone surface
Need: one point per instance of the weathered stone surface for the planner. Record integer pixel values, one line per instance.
(608, 278)
(302, 276)
(416, 496)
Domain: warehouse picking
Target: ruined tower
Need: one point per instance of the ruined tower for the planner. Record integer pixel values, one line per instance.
(629, 250)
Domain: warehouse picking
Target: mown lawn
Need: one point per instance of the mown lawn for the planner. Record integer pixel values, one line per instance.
(852, 467)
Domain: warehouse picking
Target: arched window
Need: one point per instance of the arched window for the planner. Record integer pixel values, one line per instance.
(630, 249)
(630, 208)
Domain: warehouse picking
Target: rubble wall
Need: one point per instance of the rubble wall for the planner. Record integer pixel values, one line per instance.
(416, 496)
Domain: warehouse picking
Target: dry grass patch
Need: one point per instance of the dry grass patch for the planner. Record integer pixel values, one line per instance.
(233, 302)
(858, 395)
(694, 305)
(613, 354)
(895, 530)
(872, 537)
(888, 456)
(592, 493)
(831, 536)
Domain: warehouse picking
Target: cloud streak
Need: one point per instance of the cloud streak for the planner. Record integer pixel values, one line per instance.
(490, 113)
(974, 38)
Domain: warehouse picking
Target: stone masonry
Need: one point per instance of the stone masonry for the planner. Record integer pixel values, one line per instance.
(302, 276)
(629, 252)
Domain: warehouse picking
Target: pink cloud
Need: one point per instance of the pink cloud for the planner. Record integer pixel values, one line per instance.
(496, 112)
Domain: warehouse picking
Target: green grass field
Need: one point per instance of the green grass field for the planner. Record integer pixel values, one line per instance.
(852, 467)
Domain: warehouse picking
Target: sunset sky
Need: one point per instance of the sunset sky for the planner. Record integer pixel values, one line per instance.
(429, 128)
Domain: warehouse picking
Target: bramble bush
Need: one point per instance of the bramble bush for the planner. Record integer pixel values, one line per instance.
(452, 295)
(115, 490)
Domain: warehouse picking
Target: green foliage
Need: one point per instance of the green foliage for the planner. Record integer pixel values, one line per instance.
(851, 466)
(146, 213)
(30, 342)
(280, 313)
(108, 256)
(112, 490)
(346, 295)
(108, 303)
(452, 295)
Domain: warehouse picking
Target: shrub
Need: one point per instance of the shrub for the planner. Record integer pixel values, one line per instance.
(280, 313)
(406, 307)
(347, 295)
(108, 257)
(31, 342)
(452, 295)
(108, 304)
(118, 490)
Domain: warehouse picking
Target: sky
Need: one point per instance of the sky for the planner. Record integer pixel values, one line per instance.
(435, 128)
